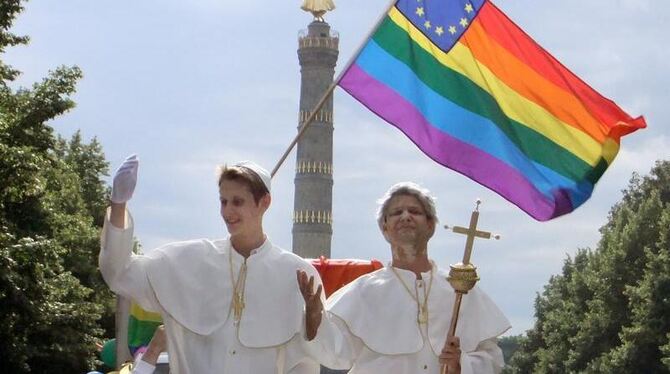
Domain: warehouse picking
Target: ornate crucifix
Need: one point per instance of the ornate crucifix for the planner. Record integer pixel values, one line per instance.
(463, 276)
(238, 305)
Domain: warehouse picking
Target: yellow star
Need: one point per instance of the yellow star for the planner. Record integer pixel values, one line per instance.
(426, 24)
(439, 30)
(452, 30)
(464, 22)
(468, 8)
(419, 11)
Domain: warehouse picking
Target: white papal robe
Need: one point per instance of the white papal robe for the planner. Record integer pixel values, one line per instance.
(189, 284)
(371, 326)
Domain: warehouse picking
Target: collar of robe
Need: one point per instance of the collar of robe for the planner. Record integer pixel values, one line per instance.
(379, 311)
(191, 281)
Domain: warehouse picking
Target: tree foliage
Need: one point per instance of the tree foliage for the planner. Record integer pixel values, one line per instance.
(509, 345)
(52, 300)
(609, 310)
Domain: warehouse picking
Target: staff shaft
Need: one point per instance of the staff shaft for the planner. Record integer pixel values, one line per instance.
(452, 325)
(329, 90)
(305, 125)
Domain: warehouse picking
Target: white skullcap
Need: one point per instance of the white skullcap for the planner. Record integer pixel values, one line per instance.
(259, 170)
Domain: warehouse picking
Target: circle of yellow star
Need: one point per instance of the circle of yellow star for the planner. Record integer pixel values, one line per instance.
(452, 30)
(439, 30)
(468, 8)
(419, 11)
(426, 24)
(464, 22)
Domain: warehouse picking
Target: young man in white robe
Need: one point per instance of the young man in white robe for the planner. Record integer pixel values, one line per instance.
(229, 305)
(396, 319)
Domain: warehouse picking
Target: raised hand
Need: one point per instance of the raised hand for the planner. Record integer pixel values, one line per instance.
(313, 304)
(125, 180)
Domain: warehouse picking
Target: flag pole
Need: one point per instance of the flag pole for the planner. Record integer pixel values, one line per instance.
(330, 89)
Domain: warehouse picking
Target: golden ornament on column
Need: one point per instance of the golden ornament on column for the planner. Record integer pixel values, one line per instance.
(318, 7)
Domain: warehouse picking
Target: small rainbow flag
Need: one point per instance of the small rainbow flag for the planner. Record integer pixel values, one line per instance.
(479, 96)
(141, 327)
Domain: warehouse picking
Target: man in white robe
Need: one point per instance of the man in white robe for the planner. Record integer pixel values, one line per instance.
(396, 319)
(228, 306)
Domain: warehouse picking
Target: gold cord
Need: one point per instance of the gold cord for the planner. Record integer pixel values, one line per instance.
(237, 303)
(422, 308)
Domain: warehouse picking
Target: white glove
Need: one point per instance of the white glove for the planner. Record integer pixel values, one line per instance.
(125, 180)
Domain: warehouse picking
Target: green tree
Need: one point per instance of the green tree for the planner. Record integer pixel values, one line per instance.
(608, 312)
(561, 303)
(51, 206)
(509, 345)
(76, 221)
(648, 292)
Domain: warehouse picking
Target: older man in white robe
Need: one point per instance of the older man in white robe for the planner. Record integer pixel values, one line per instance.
(229, 305)
(395, 320)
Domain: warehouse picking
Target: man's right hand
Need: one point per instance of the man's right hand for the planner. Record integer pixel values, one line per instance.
(450, 357)
(125, 180)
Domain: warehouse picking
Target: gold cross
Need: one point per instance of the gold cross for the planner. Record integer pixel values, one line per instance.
(238, 305)
(463, 276)
(472, 233)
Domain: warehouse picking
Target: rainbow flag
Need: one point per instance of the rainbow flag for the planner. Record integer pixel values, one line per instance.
(479, 96)
(141, 327)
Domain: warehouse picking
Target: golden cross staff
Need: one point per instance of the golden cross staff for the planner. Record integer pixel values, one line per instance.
(463, 276)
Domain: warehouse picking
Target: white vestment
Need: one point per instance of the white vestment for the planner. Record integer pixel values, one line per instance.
(371, 326)
(189, 284)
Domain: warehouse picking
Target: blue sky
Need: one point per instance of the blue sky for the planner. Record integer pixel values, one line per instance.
(191, 84)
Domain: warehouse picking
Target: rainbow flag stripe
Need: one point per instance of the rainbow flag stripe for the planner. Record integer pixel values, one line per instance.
(479, 96)
(141, 327)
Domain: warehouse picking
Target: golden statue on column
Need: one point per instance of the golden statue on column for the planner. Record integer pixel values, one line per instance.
(318, 7)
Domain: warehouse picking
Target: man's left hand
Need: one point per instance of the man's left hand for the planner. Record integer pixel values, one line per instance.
(157, 345)
(313, 304)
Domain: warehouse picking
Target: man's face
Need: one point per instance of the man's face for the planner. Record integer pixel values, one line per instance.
(406, 221)
(239, 210)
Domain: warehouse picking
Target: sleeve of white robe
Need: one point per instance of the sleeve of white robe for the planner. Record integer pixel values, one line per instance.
(299, 357)
(125, 272)
(334, 346)
(488, 358)
(300, 362)
(143, 367)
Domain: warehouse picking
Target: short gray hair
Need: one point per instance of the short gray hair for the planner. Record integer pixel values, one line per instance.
(409, 189)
